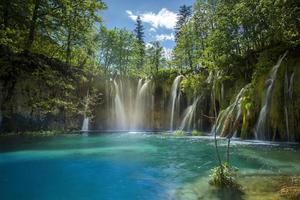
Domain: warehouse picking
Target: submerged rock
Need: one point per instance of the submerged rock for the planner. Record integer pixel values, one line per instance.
(255, 187)
(292, 189)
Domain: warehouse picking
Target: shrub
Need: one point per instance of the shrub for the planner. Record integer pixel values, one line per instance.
(196, 133)
(224, 176)
(179, 133)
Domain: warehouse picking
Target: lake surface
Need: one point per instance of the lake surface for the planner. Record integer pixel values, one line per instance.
(137, 166)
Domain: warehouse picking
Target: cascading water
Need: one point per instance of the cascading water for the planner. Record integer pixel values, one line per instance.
(85, 125)
(142, 103)
(288, 98)
(174, 95)
(119, 108)
(262, 126)
(227, 119)
(188, 116)
(131, 104)
(291, 86)
(222, 93)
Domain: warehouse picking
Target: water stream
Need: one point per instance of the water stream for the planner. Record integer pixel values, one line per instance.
(85, 124)
(227, 119)
(262, 129)
(188, 116)
(174, 96)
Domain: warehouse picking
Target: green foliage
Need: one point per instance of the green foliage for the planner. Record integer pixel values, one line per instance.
(58, 29)
(118, 51)
(246, 110)
(182, 18)
(139, 33)
(193, 84)
(154, 58)
(196, 133)
(218, 31)
(224, 176)
(179, 133)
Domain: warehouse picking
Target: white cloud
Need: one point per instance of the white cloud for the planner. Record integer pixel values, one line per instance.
(163, 19)
(131, 15)
(163, 37)
(152, 29)
(168, 53)
(148, 45)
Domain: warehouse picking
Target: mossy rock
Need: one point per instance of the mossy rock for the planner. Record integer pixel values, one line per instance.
(197, 133)
(290, 192)
(179, 133)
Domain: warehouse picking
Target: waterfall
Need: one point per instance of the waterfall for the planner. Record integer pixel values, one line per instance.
(228, 119)
(119, 109)
(286, 101)
(262, 126)
(141, 104)
(85, 125)
(174, 91)
(222, 93)
(291, 85)
(288, 98)
(131, 104)
(188, 115)
(178, 100)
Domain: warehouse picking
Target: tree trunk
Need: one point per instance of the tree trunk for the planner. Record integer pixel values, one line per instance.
(32, 27)
(68, 56)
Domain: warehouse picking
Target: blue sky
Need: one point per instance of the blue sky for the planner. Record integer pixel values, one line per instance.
(158, 16)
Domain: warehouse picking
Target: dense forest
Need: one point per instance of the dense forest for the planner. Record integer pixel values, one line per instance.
(239, 61)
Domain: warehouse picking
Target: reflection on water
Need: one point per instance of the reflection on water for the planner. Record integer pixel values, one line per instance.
(138, 166)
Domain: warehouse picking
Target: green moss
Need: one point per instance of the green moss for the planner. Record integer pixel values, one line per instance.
(224, 176)
(179, 133)
(192, 85)
(276, 115)
(246, 109)
(197, 133)
(294, 117)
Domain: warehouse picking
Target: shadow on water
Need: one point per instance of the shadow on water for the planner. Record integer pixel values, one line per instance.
(228, 194)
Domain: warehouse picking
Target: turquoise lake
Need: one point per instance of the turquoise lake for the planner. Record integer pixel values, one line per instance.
(129, 166)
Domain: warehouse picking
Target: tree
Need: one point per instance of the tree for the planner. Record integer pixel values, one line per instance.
(154, 56)
(78, 19)
(183, 16)
(117, 50)
(184, 51)
(139, 32)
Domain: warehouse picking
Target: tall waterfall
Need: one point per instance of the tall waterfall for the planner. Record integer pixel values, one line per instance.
(262, 126)
(286, 101)
(288, 98)
(142, 103)
(119, 108)
(174, 96)
(132, 106)
(188, 116)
